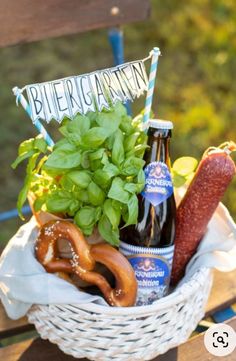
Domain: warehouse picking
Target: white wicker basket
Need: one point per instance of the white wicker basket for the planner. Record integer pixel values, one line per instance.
(136, 333)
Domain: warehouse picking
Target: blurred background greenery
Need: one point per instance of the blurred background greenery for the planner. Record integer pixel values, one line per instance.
(195, 86)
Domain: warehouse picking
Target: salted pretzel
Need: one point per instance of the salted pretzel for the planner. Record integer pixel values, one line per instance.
(84, 258)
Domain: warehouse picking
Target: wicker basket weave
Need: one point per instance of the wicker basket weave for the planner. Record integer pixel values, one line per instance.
(136, 333)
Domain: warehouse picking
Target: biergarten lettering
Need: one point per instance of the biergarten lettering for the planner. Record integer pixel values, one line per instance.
(85, 93)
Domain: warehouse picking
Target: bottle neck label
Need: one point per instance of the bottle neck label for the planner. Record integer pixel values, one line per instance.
(158, 184)
(152, 267)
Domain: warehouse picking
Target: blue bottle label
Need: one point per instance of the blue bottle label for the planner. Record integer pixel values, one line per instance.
(152, 267)
(158, 184)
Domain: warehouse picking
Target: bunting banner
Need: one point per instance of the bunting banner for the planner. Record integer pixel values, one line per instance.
(88, 92)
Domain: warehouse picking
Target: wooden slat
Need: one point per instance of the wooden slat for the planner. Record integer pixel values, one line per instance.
(10, 327)
(195, 350)
(223, 292)
(34, 350)
(41, 350)
(29, 20)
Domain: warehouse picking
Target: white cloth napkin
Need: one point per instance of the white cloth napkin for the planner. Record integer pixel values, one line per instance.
(23, 281)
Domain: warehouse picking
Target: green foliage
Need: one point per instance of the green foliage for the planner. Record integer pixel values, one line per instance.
(89, 174)
(107, 231)
(81, 178)
(28, 148)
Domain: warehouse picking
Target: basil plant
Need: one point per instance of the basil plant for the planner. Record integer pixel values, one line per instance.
(92, 174)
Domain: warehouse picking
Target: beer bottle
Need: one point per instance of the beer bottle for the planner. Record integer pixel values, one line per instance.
(149, 245)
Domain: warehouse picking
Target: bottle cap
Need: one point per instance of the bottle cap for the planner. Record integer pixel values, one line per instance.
(160, 124)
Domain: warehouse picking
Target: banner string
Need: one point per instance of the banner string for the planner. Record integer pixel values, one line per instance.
(21, 90)
(154, 54)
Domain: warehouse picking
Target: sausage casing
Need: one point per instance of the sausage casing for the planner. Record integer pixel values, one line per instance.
(203, 195)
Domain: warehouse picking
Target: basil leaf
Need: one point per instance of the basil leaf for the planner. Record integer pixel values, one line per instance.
(142, 138)
(61, 142)
(58, 201)
(85, 163)
(75, 129)
(92, 117)
(39, 202)
(117, 155)
(62, 159)
(79, 125)
(87, 231)
(117, 205)
(52, 172)
(136, 187)
(94, 137)
(138, 151)
(22, 197)
(109, 121)
(95, 194)
(97, 154)
(131, 187)
(40, 144)
(141, 181)
(22, 157)
(65, 145)
(106, 231)
(141, 177)
(27, 183)
(124, 212)
(79, 177)
(132, 210)
(26, 146)
(97, 214)
(82, 196)
(66, 183)
(58, 205)
(85, 217)
(113, 214)
(73, 207)
(95, 164)
(120, 110)
(126, 125)
(130, 141)
(132, 166)
(110, 141)
(74, 138)
(102, 178)
(117, 191)
(111, 170)
(104, 159)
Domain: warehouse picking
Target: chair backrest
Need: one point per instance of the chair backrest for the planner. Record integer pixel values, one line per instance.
(24, 21)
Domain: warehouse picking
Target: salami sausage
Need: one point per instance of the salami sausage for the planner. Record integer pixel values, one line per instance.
(213, 175)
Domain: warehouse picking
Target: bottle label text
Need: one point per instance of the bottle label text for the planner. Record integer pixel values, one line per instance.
(152, 267)
(158, 183)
